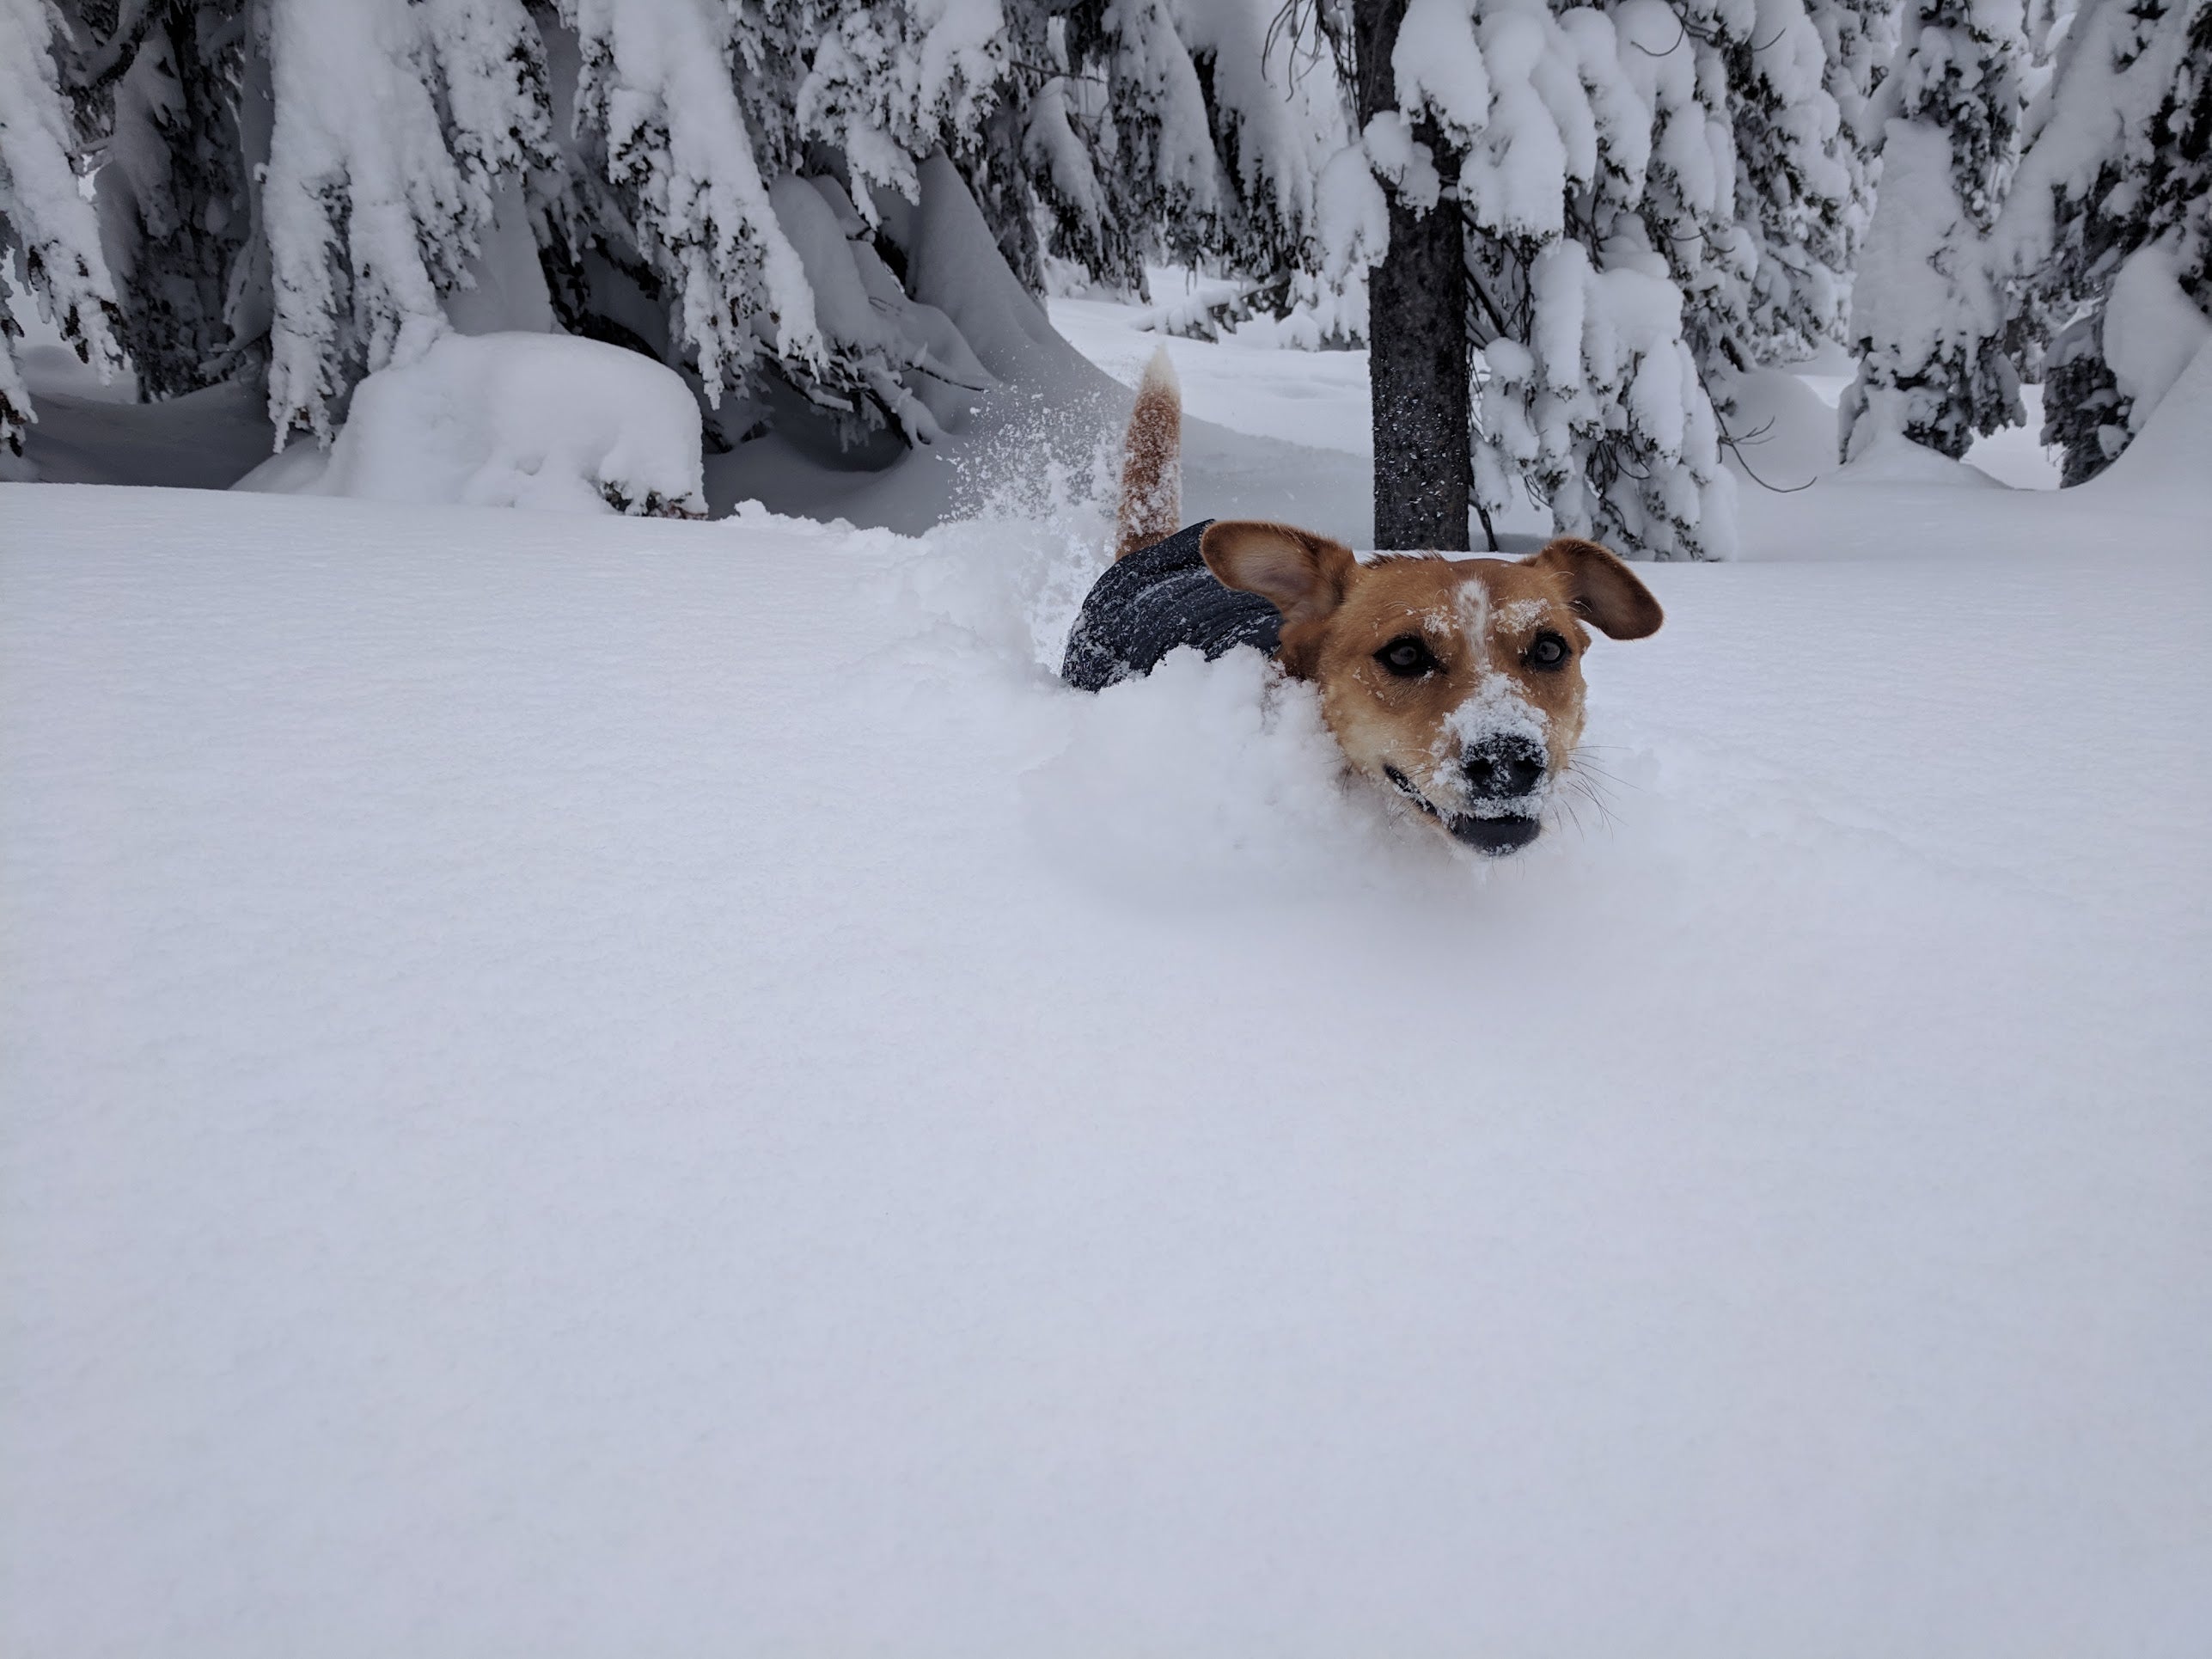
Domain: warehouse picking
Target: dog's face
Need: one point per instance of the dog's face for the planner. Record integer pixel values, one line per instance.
(1457, 682)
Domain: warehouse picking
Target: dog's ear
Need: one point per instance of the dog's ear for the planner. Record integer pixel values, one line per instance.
(1303, 575)
(1602, 589)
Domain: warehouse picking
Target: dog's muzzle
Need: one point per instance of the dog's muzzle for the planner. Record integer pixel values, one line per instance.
(1493, 835)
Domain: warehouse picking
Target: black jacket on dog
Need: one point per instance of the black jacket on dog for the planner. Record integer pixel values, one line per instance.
(1158, 598)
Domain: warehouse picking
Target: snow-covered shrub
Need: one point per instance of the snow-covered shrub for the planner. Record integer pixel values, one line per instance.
(512, 420)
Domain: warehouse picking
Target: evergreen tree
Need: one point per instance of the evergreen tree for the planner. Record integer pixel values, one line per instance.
(1858, 38)
(301, 189)
(392, 124)
(172, 195)
(1189, 130)
(1796, 190)
(1584, 166)
(2107, 237)
(1928, 319)
(49, 235)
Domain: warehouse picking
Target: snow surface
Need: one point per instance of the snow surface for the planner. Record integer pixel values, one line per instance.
(615, 1087)
(600, 1086)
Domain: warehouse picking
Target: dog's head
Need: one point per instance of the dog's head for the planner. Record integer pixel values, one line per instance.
(1458, 681)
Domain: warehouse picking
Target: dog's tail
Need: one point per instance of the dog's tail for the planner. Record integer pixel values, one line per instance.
(1151, 462)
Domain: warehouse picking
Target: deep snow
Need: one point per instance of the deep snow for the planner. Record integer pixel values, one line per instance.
(581, 1085)
(585, 1086)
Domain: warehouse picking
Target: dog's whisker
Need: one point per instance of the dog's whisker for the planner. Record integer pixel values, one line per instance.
(1580, 764)
(1584, 788)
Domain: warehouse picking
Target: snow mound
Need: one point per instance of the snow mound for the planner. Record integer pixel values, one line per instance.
(2168, 456)
(2152, 330)
(1893, 458)
(1785, 434)
(511, 420)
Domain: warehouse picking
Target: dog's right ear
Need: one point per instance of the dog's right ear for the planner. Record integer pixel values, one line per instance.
(1302, 575)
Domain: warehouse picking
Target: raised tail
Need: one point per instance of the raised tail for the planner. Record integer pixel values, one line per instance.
(1151, 462)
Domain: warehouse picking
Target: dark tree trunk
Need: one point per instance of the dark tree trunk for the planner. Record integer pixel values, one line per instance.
(1417, 337)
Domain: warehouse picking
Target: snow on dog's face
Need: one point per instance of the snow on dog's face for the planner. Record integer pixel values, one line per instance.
(1457, 682)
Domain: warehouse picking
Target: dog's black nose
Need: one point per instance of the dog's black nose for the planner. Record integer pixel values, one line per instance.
(1503, 768)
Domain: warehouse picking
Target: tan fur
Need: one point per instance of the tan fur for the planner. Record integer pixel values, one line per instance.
(1478, 617)
(1480, 620)
(1150, 506)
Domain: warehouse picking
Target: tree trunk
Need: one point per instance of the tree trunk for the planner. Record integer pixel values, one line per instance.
(1416, 335)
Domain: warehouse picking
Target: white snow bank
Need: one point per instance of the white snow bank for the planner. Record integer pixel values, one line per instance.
(2152, 330)
(1785, 433)
(1889, 457)
(582, 1087)
(510, 420)
(2166, 461)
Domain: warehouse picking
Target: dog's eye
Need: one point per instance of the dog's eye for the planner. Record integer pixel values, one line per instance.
(1549, 651)
(1407, 657)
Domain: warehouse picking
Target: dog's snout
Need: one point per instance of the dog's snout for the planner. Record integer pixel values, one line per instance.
(1503, 768)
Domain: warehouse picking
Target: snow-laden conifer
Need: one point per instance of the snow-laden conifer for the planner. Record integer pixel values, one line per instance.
(392, 124)
(1928, 319)
(659, 122)
(1795, 184)
(1858, 38)
(2107, 235)
(174, 197)
(1195, 130)
(1551, 130)
(48, 230)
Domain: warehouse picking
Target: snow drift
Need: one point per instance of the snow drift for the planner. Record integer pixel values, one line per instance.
(511, 420)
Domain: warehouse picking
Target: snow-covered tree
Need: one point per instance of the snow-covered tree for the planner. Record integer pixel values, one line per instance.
(1585, 161)
(1927, 318)
(1191, 130)
(2107, 236)
(49, 234)
(1795, 184)
(392, 124)
(1858, 38)
(173, 192)
(303, 191)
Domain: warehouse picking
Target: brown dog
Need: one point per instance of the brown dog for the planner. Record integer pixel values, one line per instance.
(1457, 682)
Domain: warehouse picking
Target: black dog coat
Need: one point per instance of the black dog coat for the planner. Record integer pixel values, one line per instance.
(1158, 598)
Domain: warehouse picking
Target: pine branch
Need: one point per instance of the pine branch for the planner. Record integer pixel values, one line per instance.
(113, 58)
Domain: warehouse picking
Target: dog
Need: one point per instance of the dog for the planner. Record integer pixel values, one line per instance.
(1457, 682)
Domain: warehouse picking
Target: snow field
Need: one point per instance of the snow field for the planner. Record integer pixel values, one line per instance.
(584, 1086)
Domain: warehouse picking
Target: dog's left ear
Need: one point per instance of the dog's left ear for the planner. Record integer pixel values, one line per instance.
(1602, 589)
(1303, 575)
